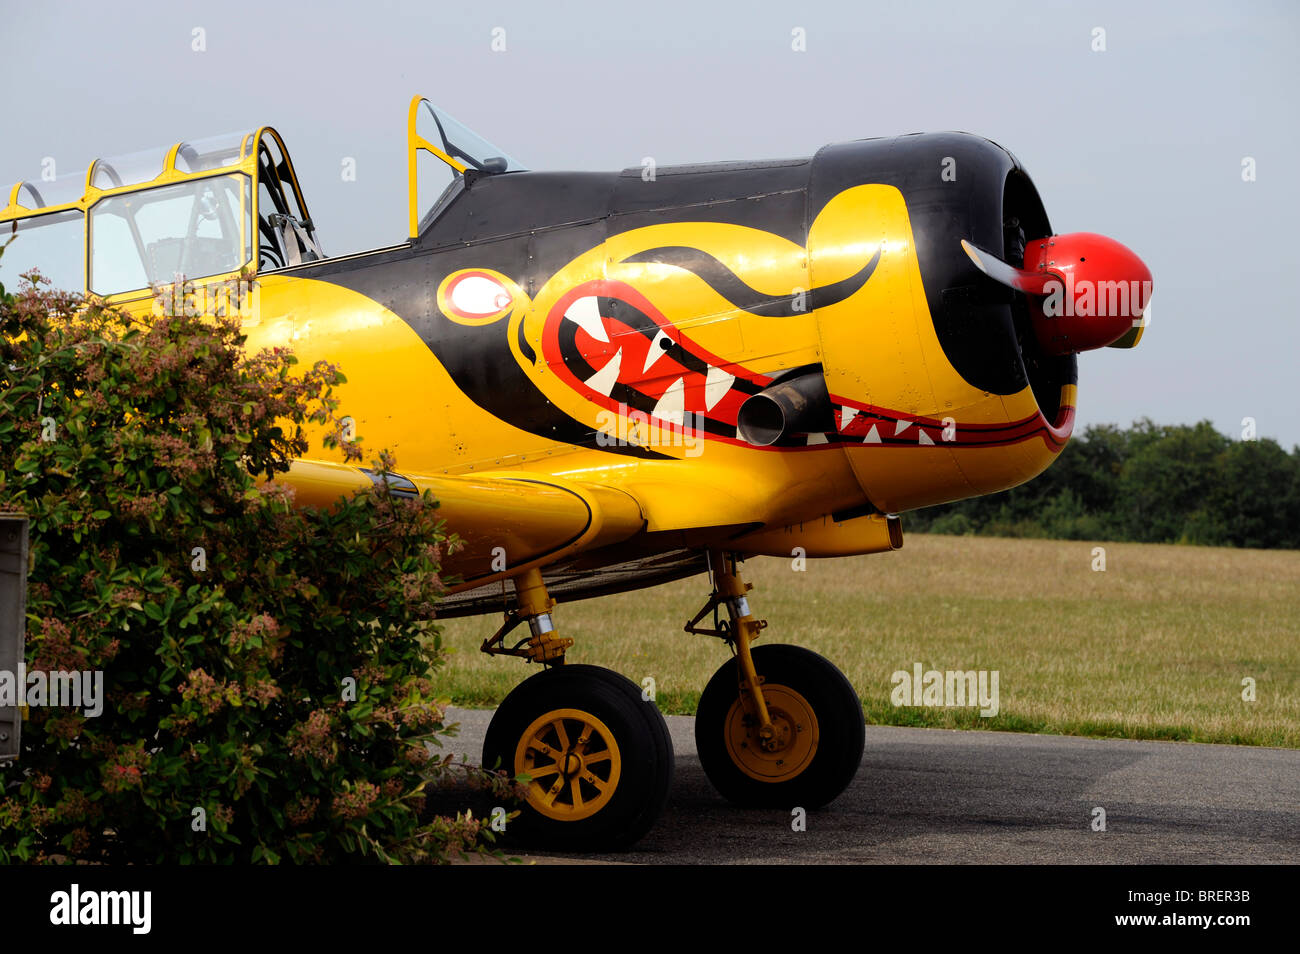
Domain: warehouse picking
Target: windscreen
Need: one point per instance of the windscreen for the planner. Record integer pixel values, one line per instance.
(51, 244)
(196, 229)
(461, 142)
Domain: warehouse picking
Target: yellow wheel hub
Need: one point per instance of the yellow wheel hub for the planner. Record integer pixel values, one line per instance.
(573, 761)
(792, 745)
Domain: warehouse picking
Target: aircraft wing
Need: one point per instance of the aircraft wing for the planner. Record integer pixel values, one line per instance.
(533, 518)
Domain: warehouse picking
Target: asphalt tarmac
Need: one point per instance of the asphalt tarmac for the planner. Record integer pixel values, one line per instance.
(973, 797)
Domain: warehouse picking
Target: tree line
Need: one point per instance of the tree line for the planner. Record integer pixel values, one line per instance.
(1151, 483)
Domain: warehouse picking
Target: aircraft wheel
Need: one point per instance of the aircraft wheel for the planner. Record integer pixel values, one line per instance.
(820, 732)
(599, 757)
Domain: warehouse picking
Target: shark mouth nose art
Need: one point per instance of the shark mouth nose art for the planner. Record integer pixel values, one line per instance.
(617, 350)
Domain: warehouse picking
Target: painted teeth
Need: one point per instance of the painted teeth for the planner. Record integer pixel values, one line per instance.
(817, 439)
(901, 426)
(605, 379)
(847, 414)
(924, 438)
(672, 406)
(873, 436)
(585, 312)
(716, 386)
(657, 349)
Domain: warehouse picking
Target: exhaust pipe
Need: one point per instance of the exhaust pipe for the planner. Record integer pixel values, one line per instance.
(797, 403)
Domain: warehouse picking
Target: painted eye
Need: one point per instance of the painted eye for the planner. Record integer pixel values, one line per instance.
(477, 295)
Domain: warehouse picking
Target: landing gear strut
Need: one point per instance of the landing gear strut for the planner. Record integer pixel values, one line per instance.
(777, 726)
(535, 604)
(596, 753)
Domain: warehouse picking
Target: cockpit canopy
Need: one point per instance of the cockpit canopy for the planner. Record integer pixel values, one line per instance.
(205, 209)
(210, 209)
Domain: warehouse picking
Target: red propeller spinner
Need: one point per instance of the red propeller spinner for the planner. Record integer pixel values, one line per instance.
(1085, 290)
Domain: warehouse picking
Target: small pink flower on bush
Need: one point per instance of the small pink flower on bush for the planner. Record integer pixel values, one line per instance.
(355, 803)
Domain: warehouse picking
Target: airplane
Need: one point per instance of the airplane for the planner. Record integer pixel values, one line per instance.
(617, 380)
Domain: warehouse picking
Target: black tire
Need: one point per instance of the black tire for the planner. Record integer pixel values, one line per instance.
(823, 771)
(641, 749)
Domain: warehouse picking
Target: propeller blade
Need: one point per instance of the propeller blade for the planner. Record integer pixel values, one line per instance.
(1030, 283)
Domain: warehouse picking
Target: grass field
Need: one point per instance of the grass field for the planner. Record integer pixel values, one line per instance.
(1156, 646)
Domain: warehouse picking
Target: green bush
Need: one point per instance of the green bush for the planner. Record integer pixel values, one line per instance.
(266, 669)
(1152, 483)
(953, 524)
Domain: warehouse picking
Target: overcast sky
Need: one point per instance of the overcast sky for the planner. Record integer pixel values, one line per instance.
(1143, 141)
